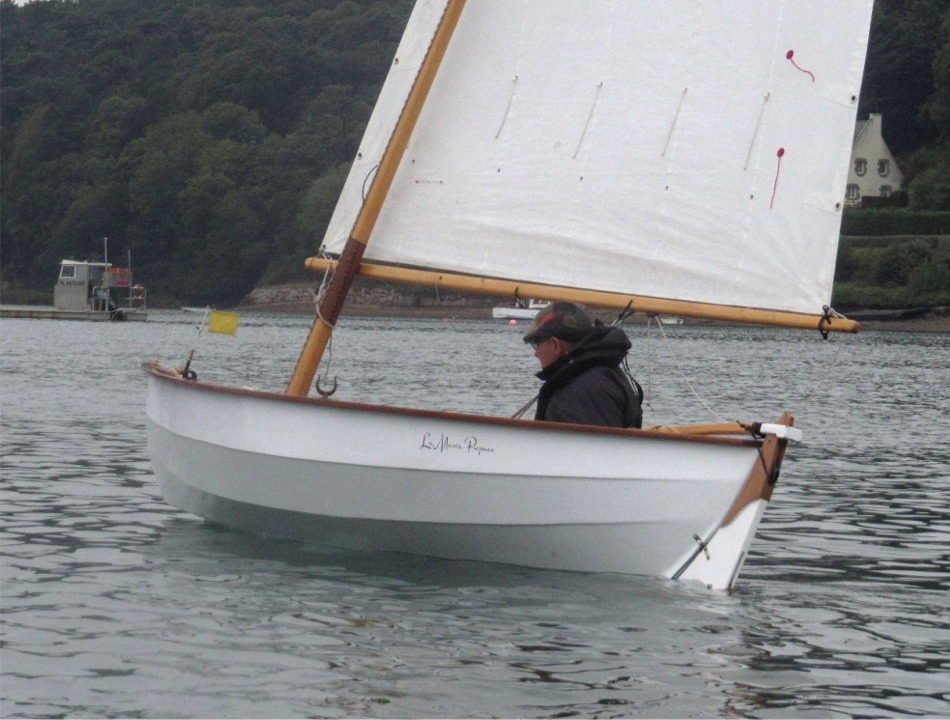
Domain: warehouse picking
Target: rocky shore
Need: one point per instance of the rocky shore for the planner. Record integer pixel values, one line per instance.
(377, 299)
(936, 320)
(386, 300)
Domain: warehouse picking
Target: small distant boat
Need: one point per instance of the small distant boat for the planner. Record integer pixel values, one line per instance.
(520, 311)
(100, 290)
(89, 291)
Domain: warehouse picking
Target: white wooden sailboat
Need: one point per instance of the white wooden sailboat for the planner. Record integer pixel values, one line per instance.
(683, 158)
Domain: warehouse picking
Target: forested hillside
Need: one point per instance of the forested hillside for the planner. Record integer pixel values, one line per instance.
(210, 138)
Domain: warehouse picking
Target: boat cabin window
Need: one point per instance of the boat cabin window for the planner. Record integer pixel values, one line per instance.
(67, 271)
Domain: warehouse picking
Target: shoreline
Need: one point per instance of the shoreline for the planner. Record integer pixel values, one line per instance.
(929, 324)
(933, 320)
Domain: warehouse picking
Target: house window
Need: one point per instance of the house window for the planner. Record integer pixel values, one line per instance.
(883, 167)
(853, 192)
(886, 190)
(860, 166)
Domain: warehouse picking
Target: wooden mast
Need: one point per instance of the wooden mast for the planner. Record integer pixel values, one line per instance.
(355, 246)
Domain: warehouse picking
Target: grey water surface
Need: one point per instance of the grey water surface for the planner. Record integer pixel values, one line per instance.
(116, 605)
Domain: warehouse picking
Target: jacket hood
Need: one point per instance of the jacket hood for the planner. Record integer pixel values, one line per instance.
(603, 345)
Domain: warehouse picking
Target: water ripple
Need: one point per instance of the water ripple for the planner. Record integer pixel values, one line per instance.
(115, 604)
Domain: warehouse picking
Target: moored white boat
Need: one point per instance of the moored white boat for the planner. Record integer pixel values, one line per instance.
(89, 290)
(525, 311)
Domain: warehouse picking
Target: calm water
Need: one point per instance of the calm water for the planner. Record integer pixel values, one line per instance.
(114, 604)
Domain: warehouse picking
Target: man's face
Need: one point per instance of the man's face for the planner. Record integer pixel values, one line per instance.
(549, 350)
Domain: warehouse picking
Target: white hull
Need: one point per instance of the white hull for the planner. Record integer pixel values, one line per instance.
(455, 486)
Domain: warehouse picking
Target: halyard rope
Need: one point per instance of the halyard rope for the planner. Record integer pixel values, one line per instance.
(318, 301)
(679, 367)
(805, 403)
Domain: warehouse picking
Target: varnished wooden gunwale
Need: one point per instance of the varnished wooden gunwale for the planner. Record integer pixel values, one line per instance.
(174, 376)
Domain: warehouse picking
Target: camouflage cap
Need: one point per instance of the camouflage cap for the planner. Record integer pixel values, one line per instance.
(564, 320)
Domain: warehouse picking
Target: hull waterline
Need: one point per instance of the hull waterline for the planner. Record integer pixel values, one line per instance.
(458, 486)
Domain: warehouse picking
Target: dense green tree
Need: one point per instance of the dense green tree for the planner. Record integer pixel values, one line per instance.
(899, 77)
(930, 186)
(120, 119)
(194, 201)
(319, 202)
(938, 106)
(188, 133)
(929, 167)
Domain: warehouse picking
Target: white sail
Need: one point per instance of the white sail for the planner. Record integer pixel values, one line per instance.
(683, 149)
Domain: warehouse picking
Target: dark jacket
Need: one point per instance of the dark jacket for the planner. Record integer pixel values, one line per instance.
(587, 386)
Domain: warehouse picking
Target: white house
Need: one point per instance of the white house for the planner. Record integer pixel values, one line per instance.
(873, 171)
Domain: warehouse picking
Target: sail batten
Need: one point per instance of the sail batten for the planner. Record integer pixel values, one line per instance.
(651, 148)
